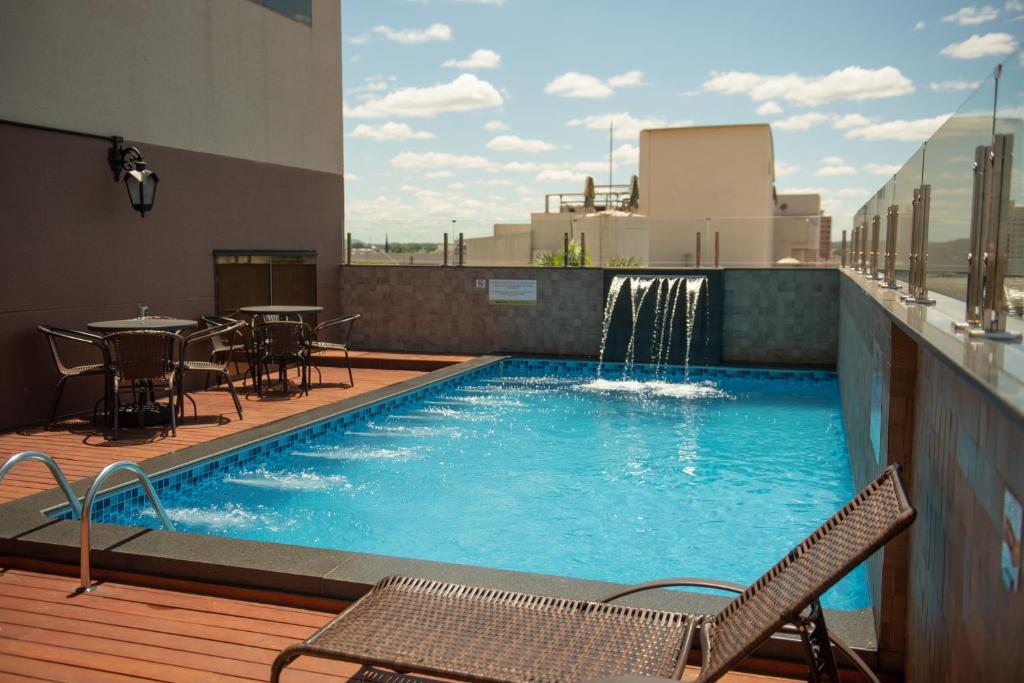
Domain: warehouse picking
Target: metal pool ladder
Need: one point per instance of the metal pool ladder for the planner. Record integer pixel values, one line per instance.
(85, 583)
(55, 470)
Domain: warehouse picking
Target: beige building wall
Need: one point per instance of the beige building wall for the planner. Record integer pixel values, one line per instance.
(614, 236)
(797, 227)
(508, 249)
(226, 77)
(723, 172)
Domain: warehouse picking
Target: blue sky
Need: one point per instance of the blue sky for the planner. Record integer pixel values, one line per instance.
(474, 109)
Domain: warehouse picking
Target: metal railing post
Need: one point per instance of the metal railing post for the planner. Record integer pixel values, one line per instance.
(565, 251)
(445, 257)
(853, 246)
(892, 217)
(873, 256)
(918, 293)
(980, 205)
(583, 249)
(717, 252)
(842, 252)
(462, 250)
(348, 250)
(698, 250)
(864, 249)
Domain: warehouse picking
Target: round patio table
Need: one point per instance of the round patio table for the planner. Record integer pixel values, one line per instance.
(271, 309)
(134, 324)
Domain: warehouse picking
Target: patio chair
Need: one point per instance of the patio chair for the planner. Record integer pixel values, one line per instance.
(420, 626)
(228, 332)
(146, 358)
(53, 336)
(239, 341)
(319, 345)
(282, 342)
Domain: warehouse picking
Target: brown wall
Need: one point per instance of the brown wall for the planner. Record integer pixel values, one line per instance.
(75, 251)
(775, 317)
(944, 609)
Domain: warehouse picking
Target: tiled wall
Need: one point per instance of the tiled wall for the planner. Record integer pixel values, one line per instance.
(940, 603)
(774, 317)
(780, 316)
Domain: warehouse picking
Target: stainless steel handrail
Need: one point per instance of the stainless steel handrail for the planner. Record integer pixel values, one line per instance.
(55, 470)
(85, 584)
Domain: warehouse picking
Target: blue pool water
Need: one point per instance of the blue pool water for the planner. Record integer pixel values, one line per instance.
(541, 467)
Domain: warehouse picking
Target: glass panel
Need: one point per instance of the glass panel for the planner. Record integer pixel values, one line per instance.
(1010, 121)
(949, 170)
(907, 180)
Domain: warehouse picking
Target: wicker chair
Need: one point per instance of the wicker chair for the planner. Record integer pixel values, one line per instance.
(485, 635)
(239, 341)
(145, 357)
(319, 345)
(282, 342)
(226, 333)
(54, 335)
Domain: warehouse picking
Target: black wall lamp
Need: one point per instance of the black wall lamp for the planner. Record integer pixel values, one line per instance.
(140, 182)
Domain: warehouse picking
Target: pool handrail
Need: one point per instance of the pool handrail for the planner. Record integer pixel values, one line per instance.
(55, 470)
(85, 582)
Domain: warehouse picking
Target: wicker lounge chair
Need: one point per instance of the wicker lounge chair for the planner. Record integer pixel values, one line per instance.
(317, 344)
(490, 636)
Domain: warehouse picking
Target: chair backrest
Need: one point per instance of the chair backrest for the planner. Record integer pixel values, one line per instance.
(862, 526)
(282, 337)
(344, 323)
(55, 334)
(222, 335)
(144, 354)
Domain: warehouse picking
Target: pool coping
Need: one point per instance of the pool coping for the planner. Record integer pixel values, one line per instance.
(25, 532)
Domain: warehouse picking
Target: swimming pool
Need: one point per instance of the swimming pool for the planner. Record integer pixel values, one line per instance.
(540, 466)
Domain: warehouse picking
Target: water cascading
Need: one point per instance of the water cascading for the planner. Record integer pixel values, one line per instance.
(667, 292)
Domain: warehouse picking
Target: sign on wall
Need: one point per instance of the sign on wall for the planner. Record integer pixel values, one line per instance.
(1009, 560)
(522, 292)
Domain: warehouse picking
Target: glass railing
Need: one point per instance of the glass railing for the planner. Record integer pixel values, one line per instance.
(619, 241)
(955, 199)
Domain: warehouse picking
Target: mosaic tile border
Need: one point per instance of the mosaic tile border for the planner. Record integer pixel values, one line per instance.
(132, 497)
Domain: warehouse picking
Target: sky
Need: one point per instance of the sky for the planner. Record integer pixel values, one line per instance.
(472, 110)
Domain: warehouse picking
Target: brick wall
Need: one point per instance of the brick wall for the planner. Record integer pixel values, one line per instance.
(940, 604)
(775, 317)
(780, 316)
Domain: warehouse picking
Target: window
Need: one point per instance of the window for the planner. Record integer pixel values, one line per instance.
(254, 278)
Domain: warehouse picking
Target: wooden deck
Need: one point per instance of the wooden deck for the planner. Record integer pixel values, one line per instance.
(82, 450)
(127, 633)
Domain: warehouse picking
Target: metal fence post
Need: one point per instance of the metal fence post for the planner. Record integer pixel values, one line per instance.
(583, 249)
(445, 261)
(717, 251)
(842, 252)
(892, 220)
(565, 251)
(462, 250)
(348, 250)
(873, 256)
(918, 293)
(698, 250)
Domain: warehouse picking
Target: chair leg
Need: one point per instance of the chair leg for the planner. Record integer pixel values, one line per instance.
(115, 400)
(234, 394)
(56, 400)
(174, 409)
(348, 362)
(817, 648)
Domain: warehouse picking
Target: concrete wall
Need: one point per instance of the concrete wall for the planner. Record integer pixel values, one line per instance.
(725, 172)
(770, 317)
(76, 252)
(227, 77)
(944, 610)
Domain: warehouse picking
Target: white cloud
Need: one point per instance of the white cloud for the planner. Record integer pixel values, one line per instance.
(801, 121)
(496, 3)
(495, 126)
(351, 177)
(514, 143)
(836, 170)
(627, 80)
(850, 121)
(782, 169)
(497, 182)
(909, 131)
(415, 160)
(480, 59)
(919, 26)
(954, 85)
(627, 154)
(411, 36)
(851, 83)
(465, 93)
(573, 84)
(561, 175)
(626, 124)
(439, 174)
(769, 108)
(971, 16)
(456, 186)
(389, 131)
(1014, 6)
(833, 161)
(881, 169)
(977, 46)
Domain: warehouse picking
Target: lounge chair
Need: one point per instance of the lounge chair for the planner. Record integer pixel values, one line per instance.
(467, 633)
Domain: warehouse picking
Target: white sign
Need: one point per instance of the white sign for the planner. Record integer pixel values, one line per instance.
(512, 291)
(481, 284)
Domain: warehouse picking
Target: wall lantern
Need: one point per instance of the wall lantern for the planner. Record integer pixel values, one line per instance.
(139, 181)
